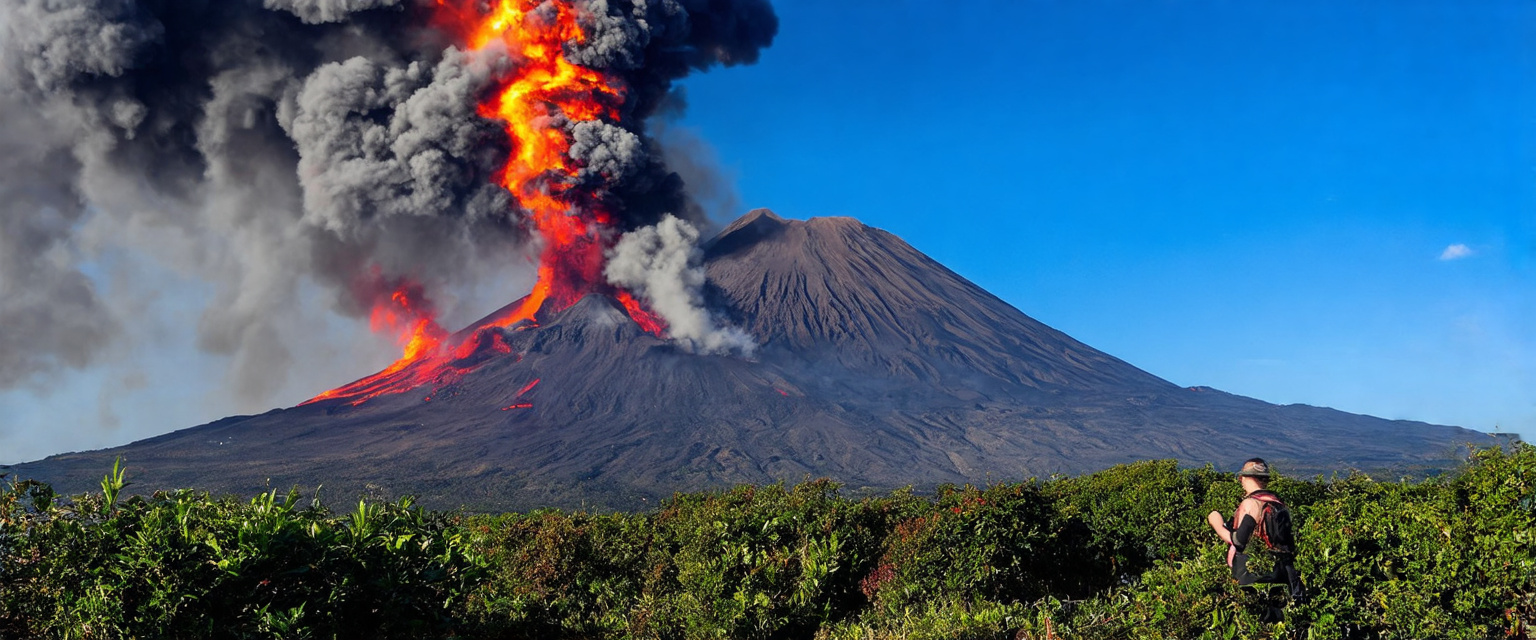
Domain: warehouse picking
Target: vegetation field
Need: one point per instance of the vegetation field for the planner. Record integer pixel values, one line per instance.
(1123, 553)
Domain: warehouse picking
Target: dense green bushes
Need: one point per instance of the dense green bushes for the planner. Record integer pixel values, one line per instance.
(753, 562)
(1123, 553)
(183, 565)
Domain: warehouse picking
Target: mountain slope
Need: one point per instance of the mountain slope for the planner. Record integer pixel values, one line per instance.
(877, 367)
(871, 303)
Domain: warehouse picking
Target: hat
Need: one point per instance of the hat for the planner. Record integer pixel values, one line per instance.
(1255, 468)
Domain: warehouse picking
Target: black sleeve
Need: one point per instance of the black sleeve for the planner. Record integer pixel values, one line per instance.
(1244, 533)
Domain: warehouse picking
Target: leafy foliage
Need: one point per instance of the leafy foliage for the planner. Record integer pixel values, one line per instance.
(186, 565)
(1123, 553)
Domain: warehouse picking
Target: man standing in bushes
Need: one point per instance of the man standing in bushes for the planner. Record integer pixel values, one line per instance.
(1260, 514)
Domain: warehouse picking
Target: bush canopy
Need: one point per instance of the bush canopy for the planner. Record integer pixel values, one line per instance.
(1123, 553)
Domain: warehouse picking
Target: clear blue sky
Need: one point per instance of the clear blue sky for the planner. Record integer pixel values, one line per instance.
(1249, 195)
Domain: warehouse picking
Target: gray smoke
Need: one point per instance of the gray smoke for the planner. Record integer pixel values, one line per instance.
(617, 35)
(377, 142)
(322, 11)
(661, 264)
(51, 317)
(56, 42)
(273, 147)
(606, 152)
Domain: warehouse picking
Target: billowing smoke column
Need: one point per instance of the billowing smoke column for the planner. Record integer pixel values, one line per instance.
(380, 148)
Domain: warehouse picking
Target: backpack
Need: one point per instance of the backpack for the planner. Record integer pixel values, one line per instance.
(1274, 525)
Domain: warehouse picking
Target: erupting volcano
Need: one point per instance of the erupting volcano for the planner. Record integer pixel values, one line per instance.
(389, 151)
(541, 97)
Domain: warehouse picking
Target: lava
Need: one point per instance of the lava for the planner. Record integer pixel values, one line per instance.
(408, 315)
(648, 321)
(525, 389)
(541, 95)
(543, 89)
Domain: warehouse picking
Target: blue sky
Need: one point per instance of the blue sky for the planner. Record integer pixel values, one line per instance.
(1249, 195)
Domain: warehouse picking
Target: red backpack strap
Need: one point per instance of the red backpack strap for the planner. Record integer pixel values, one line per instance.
(1265, 496)
(1265, 499)
(1262, 497)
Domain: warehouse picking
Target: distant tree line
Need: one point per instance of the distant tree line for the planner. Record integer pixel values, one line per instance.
(1122, 553)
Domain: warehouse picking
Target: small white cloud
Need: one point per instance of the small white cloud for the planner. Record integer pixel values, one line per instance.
(1456, 252)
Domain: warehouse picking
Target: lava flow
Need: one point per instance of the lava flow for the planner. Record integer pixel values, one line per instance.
(541, 95)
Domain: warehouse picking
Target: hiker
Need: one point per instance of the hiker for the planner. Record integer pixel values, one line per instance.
(1261, 525)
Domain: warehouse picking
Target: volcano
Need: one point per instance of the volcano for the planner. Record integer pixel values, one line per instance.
(876, 367)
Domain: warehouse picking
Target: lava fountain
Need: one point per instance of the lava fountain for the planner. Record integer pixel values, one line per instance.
(536, 101)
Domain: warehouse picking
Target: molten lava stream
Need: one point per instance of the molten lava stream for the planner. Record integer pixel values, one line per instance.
(542, 88)
(540, 173)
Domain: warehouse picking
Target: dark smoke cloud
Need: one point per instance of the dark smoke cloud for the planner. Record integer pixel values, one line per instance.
(377, 142)
(650, 44)
(269, 145)
(57, 42)
(322, 11)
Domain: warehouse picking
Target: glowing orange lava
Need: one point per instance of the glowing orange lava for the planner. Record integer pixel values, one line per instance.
(541, 95)
(408, 317)
(648, 321)
(544, 87)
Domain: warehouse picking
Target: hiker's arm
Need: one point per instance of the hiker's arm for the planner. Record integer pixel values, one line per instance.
(1220, 525)
(1247, 516)
(1243, 533)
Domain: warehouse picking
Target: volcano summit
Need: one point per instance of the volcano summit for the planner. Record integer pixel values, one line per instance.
(875, 366)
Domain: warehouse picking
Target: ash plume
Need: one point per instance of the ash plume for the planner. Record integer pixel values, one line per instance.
(322, 11)
(265, 146)
(662, 263)
(52, 316)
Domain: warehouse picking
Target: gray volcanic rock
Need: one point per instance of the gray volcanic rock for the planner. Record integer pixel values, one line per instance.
(877, 367)
(834, 292)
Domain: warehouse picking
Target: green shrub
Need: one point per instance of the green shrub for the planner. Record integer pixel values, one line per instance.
(186, 565)
(760, 562)
(1143, 512)
(1005, 544)
(557, 575)
(1123, 553)
(937, 620)
(1445, 558)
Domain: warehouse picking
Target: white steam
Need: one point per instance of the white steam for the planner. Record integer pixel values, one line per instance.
(660, 264)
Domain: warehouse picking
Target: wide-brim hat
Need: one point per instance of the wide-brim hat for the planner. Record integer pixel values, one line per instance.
(1254, 470)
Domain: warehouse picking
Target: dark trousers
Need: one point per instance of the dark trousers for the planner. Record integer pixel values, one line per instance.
(1285, 573)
